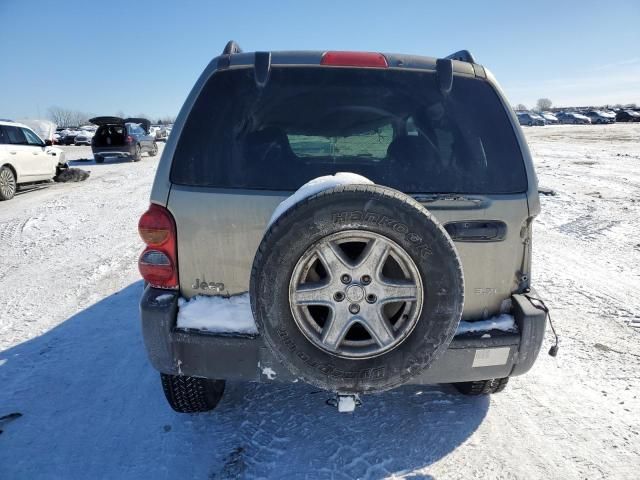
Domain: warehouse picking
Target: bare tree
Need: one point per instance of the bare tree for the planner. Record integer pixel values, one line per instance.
(64, 117)
(80, 118)
(520, 107)
(60, 116)
(543, 104)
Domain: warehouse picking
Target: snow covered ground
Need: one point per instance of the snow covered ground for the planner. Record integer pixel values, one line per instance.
(73, 365)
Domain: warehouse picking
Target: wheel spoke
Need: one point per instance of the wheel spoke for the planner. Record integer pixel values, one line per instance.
(398, 291)
(380, 329)
(374, 255)
(332, 257)
(336, 328)
(354, 291)
(313, 294)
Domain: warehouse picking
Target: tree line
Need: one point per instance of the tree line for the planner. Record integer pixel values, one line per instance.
(65, 117)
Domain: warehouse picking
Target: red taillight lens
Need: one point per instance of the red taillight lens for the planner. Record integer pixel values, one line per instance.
(354, 59)
(129, 140)
(158, 263)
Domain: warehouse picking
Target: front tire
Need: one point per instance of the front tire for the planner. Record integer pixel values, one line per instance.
(482, 387)
(191, 394)
(8, 183)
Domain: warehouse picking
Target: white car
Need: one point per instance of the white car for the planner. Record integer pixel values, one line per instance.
(24, 158)
(159, 131)
(85, 135)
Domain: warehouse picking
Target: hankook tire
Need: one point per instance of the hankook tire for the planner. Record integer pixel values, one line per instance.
(357, 289)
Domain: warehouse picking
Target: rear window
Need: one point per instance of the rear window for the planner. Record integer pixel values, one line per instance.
(392, 126)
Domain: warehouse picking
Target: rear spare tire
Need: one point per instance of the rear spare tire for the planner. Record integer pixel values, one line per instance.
(357, 289)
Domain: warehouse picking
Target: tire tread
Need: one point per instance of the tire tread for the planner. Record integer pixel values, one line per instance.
(187, 394)
(482, 387)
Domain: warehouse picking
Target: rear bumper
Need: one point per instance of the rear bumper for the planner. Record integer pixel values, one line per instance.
(120, 151)
(180, 352)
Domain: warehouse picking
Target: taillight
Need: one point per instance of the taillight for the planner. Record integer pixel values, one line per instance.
(354, 59)
(158, 263)
(129, 140)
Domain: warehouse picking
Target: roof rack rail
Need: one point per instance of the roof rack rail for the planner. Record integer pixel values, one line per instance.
(231, 47)
(462, 55)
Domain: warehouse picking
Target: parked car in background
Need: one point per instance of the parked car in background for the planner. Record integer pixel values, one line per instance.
(627, 116)
(122, 137)
(85, 135)
(550, 118)
(530, 118)
(599, 117)
(68, 136)
(573, 118)
(25, 158)
(160, 132)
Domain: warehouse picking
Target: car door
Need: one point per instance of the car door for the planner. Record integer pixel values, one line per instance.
(138, 134)
(19, 154)
(40, 163)
(146, 138)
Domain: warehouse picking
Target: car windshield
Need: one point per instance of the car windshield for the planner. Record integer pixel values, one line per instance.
(394, 127)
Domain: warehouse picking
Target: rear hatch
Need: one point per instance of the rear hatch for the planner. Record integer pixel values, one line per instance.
(100, 121)
(457, 154)
(111, 134)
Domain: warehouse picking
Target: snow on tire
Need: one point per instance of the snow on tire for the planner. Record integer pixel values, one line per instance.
(357, 289)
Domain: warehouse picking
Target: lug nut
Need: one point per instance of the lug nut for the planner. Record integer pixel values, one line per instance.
(366, 279)
(354, 308)
(338, 296)
(345, 278)
(371, 298)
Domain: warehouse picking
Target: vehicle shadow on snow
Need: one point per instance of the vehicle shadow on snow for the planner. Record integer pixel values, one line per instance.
(79, 162)
(92, 406)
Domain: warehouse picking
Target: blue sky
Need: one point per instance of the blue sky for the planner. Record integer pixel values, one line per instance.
(144, 56)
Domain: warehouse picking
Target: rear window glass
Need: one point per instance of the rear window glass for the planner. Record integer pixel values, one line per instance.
(392, 126)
